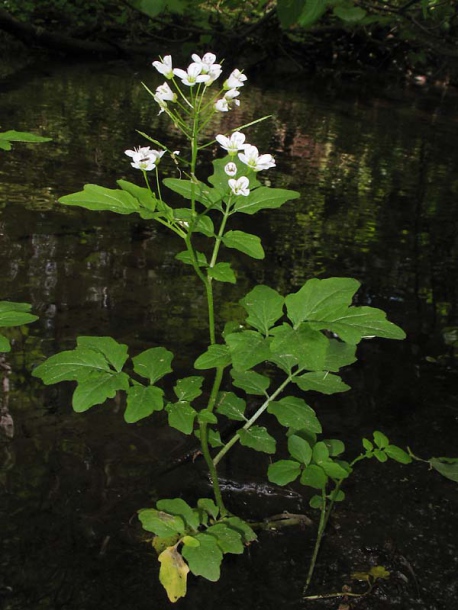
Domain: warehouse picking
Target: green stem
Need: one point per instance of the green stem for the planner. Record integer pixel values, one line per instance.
(251, 421)
(321, 529)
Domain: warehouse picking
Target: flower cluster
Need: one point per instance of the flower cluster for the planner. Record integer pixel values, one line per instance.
(248, 155)
(144, 157)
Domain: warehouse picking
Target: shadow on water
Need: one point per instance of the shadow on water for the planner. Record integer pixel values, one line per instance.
(379, 203)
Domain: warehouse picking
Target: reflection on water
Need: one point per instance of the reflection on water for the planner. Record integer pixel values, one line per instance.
(379, 203)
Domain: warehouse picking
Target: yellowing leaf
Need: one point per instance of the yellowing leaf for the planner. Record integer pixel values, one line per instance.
(173, 573)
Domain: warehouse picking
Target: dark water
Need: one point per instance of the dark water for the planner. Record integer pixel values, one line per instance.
(379, 183)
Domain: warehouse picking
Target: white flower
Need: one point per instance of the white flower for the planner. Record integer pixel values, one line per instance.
(230, 168)
(206, 63)
(192, 76)
(213, 73)
(232, 144)
(222, 105)
(251, 157)
(163, 95)
(235, 80)
(164, 66)
(240, 186)
(144, 158)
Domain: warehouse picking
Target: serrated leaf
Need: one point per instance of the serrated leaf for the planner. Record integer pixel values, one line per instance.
(181, 416)
(173, 573)
(283, 472)
(15, 314)
(251, 382)
(244, 242)
(230, 405)
(247, 348)
(153, 363)
(177, 506)
(114, 352)
(94, 197)
(229, 540)
(214, 357)
(264, 198)
(222, 272)
(70, 366)
(96, 388)
(264, 307)
(142, 401)
(300, 449)
(314, 476)
(295, 413)
(321, 381)
(188, 388)
(160, 523)
(204, 560)
(447, 467)
(318, 299)
(257, 438)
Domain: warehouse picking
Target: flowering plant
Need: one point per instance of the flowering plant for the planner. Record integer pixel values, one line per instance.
(308, 335)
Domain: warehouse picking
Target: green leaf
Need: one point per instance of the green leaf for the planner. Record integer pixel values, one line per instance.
(321, 381)
(334, 470)
(283, 472)
(95, 197)
(264, 307)
(339, 354)
(251, 382)
(358, 323)
(4, 344)
(186, 258)
(229, 540)
(177, 506)
(114, 352)
(144, 196)
(264, 198)
(314, 476)
(230, 405)
(300, 449)
(96, 387)
(289, 11)
(204, 560)
(181, 416)
(142, 401)
(71, 365)
(194, 189)
(295, 413)
(206, 417)
(380, 455)
(188, 388)
(173, 573)
(257, 438)
(313, 11)
(368, 446)
(153, 363)
(214, 357)
(152, 8)
(307, 346)
(241, 526)
(316, 502)
(208, 506)
(381, 440)
(398, 454)
(318, 299)
(244, 242)
(335, 446)
(20, 136)
(15, 314)
(247, 348)
(320, 453)
(222, 272)
(214, 437)
(447, 467)
(349, 14)
(160, 523)
(198, 223)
